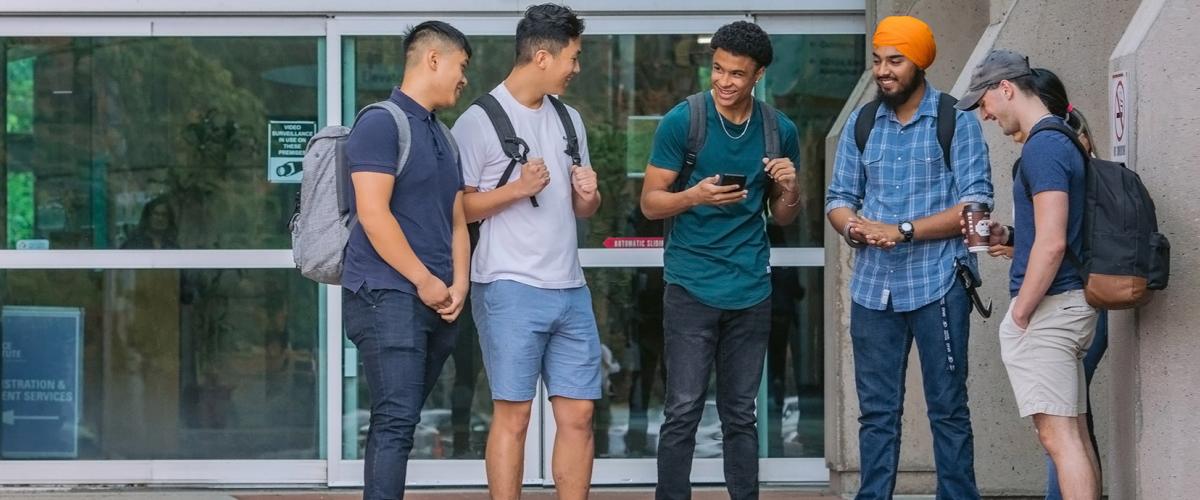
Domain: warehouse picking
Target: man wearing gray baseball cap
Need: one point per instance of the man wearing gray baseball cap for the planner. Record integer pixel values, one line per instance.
(1049, 324)
(999, 65)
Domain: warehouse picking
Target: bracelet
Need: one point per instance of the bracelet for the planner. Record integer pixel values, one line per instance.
(794, 203)
(850, 241)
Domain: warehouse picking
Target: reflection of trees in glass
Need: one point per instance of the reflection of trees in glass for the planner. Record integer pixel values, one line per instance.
(20, 207)
(184, 120)
(19, 96)
(809, 81)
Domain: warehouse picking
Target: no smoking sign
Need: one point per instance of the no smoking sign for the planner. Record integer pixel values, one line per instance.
(1118, 97)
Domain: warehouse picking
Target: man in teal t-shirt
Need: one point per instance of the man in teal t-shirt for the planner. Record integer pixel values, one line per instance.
(716, 308)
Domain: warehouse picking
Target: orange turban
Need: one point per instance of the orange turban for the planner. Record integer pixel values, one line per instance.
(911, 36)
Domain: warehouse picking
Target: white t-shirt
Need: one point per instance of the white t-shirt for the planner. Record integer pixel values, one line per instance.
(536, 246)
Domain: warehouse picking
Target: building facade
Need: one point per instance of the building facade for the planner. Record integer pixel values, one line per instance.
(155, 332)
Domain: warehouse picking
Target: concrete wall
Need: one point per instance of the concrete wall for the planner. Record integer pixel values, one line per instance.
(1157, 393)
(1062, 36)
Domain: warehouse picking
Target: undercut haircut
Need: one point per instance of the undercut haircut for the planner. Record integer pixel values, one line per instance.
(435, 31)
(548, 27)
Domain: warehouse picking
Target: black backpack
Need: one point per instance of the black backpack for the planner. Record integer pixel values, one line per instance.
(947, 120)
(515, 148)
(698, 133)
(1124, 256)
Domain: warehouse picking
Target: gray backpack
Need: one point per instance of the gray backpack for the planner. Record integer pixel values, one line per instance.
(322, 222)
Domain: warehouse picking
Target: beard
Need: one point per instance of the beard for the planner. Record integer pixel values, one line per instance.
(903, 92)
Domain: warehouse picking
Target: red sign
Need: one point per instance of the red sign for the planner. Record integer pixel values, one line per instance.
(634, 242)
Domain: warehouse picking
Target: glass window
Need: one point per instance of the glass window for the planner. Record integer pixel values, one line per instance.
(626, 83)
(100, 129)
(160, 364)
(628, 305)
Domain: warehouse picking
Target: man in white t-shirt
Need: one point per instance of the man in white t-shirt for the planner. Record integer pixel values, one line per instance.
(530, 302)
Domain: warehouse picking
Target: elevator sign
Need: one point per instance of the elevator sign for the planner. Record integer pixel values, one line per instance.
(285, 149)
(1118, 105)
(41, 381)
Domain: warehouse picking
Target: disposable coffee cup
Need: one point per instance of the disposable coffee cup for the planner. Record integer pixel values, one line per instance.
(978, 220)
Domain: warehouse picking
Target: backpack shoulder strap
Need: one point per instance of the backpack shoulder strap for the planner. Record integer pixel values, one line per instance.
(1061, 128)
(568, 127)
(509, 142)
(403, 132)
(771, 142)
(697, 134)
(449, 138)
(947, 120)
(864, 123)
(771, 138)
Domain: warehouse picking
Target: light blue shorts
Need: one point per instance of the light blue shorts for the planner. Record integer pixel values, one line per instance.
(525, 331)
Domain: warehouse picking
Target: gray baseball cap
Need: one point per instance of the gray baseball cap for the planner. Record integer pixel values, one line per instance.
(1000, 64)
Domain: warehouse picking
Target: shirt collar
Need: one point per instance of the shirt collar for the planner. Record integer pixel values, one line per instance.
(409, 105)
(927, 107)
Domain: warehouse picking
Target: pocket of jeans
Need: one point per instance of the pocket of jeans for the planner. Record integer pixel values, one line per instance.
(398, 318)
(371, 297)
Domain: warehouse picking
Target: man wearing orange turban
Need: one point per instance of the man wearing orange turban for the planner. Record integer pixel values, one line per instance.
(896, 196)
(910, 36)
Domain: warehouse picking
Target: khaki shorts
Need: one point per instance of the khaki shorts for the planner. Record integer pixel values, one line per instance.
(1045, 361)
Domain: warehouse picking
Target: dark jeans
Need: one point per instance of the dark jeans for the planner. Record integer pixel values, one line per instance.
(402, 344)
(882, 340)
(1091, 360)
(696, 336)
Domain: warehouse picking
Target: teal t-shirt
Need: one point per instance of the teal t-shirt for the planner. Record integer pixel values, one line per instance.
(721, 255)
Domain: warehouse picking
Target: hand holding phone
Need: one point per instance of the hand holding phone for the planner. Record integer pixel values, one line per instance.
(718, 190)
(738, 180)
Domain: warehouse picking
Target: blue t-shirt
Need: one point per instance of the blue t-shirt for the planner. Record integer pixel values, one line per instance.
(720, 255)
(422, 197)
(1049, 162)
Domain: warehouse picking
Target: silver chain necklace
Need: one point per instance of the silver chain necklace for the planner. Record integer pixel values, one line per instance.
(739, 136)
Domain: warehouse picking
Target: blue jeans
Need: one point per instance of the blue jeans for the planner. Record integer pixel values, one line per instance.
(882, 340)
(1091, 360)
(696, 337)
(402, 344)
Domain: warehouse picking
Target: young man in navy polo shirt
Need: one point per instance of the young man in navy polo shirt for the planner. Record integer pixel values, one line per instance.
(405, 275)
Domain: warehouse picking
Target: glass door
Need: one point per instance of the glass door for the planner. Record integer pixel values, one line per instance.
(154, 329)
(628, 80)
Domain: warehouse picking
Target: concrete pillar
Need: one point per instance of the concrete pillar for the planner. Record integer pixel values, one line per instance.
(956, 25)
(1157, 402)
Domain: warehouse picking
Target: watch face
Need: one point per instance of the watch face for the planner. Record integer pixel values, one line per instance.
(906, 227)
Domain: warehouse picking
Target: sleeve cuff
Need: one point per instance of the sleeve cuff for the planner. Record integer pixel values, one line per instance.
(373, 167)
(976, 198)
(836, 204)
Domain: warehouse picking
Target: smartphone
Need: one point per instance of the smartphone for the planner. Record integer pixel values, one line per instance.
(738, 180)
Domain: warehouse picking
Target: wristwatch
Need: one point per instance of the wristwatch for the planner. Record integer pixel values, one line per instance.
(906, 229)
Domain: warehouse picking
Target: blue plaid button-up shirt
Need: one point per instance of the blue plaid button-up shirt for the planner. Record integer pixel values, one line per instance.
(900, 176)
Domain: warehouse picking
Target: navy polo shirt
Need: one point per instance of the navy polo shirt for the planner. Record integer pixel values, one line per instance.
(422, 197)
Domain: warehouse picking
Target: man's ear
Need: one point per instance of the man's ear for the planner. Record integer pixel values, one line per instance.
(431, 59)
(541, 58)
